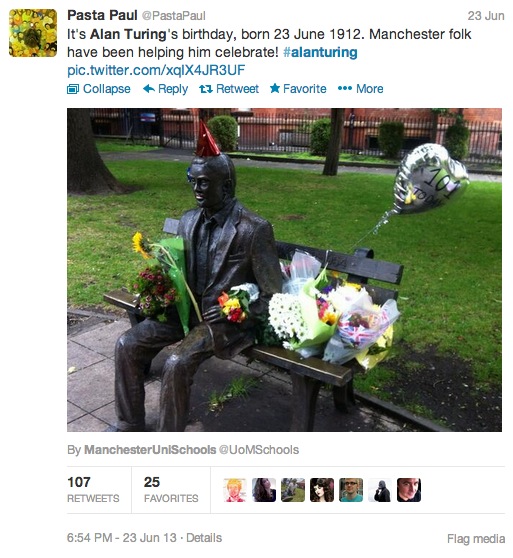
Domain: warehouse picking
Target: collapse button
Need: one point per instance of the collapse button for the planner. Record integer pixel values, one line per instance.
(106, 89)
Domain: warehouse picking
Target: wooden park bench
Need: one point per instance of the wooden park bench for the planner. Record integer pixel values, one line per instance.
(307, 374)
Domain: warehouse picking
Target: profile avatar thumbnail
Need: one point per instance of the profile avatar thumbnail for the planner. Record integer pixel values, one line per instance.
(32, 33)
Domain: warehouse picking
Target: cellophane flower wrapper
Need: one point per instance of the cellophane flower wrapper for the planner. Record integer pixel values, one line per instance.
(250, 288)
(302, 268)
(368, 358)
(317, 331)
(175, 247)
(359, 326)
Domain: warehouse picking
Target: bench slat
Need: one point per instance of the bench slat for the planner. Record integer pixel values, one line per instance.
(170, 226)
(368, 268)
(291, 360)
(380, 295)
(122, 298)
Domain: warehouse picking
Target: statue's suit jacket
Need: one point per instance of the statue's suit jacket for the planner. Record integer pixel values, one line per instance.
(246, 253)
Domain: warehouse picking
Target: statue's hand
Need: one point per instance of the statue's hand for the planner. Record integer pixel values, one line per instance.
(213, 314)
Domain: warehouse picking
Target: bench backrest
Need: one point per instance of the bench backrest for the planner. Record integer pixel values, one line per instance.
(359, 267)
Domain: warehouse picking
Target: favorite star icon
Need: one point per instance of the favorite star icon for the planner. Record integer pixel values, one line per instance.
(275, 88)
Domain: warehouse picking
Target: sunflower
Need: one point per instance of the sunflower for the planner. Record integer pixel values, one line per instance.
(140, 245)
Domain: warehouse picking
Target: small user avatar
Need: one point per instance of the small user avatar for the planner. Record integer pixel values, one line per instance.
(32, 33)
(264, 490)
(234, 490)
(408, 490)
(321, 490)
(379, 491)
(293, 489)
(351, 490)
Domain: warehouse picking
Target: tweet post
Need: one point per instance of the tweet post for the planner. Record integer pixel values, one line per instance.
(292, 289)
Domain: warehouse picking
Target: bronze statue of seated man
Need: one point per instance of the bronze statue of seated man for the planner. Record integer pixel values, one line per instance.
(225, 245)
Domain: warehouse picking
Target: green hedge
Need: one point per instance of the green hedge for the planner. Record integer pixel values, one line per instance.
(224, 130)
(457, 140)
(320, 137)
(390, 138)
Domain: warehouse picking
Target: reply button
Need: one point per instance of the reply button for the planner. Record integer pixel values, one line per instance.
(173, 89)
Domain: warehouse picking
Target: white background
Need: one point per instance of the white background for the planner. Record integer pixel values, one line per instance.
(465, 476)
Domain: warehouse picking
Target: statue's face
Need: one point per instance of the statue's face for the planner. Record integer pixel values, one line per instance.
(207, 186)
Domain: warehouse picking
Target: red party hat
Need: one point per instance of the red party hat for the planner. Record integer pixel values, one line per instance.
(207, 146)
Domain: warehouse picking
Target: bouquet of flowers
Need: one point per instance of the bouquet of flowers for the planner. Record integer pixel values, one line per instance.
(302, 317)
(327, 312)
(360, 324)
(169, 258)
(340, 322)
(235, 303)
(318, 311)
(155, 292)
(287, 321)
(368, 358)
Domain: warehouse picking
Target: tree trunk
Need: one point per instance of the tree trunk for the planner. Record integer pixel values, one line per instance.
(332, 157)
(434, 125)
(87, 173)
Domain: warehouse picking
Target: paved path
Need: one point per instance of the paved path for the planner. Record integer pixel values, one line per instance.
(91, 341)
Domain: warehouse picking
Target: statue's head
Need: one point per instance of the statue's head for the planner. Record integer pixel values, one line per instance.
(212, 174)
(219, 168)
(213, 181)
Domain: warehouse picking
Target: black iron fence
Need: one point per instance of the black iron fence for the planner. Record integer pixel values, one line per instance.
(288, 133)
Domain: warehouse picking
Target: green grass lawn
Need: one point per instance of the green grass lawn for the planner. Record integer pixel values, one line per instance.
(451, 293)
(123, 146)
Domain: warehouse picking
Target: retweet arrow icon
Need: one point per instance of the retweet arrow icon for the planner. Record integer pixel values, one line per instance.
(148, 88)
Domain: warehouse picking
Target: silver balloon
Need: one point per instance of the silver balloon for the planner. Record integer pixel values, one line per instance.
(427, 178)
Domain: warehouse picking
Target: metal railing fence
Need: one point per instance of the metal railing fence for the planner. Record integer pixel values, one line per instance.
(287, 133)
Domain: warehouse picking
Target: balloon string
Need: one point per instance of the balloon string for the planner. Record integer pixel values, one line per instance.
(359, 241)
(384, 219)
